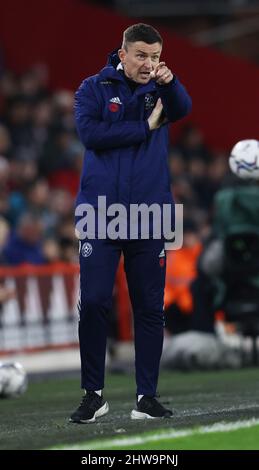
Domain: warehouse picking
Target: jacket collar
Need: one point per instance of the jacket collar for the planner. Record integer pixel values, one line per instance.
(113, 58)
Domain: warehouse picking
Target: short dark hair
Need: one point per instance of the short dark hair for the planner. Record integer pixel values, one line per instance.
(141, 32)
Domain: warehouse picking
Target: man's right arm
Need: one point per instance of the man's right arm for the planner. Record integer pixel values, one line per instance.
(98, 134)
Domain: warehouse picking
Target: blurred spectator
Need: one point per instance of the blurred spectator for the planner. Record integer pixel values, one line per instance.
(24, 245)
(5, 141)
(61, 204)
(41, 121)
(8, 88)
(180, 271)
(4, 234)
(198, 174)
(34, 82)
(63, 102)
(6, 292)
(38, 196)
(183, 192)
(51, 250)
(22, 174)
(4, 172)
(4, 190)
(68, 242)
(177, 165)
(59, 160)
(68, 250)
(191, 144)
(218, 170)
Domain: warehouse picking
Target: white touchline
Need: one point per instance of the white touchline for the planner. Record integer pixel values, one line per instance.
(164, 435)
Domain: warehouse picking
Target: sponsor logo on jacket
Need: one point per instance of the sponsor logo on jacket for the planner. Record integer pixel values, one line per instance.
(114, 105)
(149, 101)
(116, 100)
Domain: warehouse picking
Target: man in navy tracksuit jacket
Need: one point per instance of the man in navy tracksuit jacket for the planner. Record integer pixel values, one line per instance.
(122, 117)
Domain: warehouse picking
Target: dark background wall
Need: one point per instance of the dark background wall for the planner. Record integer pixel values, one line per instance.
(73, 38)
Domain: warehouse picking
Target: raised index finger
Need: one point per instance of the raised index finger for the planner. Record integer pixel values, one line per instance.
(159, 66)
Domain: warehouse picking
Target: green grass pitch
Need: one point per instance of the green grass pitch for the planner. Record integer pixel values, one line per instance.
(39, 418)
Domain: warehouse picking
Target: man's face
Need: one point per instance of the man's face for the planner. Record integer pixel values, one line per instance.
(139, 60)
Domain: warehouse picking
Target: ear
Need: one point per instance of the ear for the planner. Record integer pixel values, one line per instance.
(122, 55)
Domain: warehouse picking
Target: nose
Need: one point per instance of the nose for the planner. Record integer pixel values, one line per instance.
(148, 63)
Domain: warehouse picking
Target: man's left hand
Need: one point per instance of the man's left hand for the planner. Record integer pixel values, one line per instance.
(162, 74)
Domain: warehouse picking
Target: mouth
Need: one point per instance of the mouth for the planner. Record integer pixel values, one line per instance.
(145, 74)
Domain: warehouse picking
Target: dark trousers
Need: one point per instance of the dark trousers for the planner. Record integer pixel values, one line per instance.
(145, 272)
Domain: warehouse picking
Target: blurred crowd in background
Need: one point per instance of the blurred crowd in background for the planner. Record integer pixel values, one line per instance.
(40, 164)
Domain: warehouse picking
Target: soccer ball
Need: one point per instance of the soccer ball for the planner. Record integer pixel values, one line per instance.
(13, 380)
(244, 159)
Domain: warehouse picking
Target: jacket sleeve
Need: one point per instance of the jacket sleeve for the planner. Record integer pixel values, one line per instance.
(98, 134)
(176, 101)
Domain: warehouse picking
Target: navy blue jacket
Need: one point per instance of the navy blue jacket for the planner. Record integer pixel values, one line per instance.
(124, 160)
